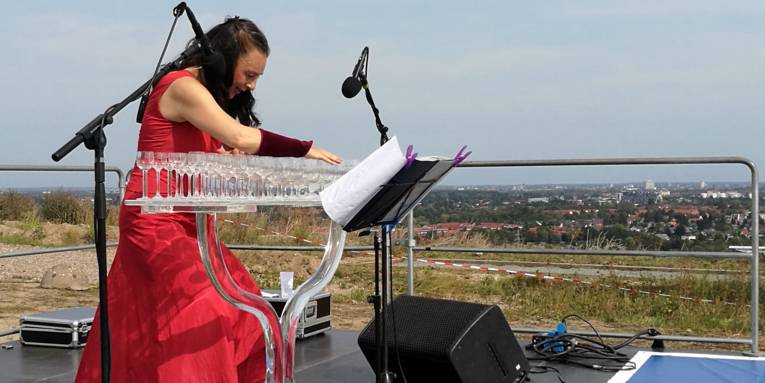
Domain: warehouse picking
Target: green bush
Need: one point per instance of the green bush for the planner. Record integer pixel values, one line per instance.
(61, 207)
(32, 226)
(15, 206)
(71, 237)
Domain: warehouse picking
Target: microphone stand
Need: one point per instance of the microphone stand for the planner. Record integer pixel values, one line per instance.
(382, 296)
(92, 134)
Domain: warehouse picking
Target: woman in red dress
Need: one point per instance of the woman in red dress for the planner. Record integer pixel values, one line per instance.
(167, 322)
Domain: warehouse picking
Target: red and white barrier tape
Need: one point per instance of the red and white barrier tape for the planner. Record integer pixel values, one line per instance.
(563, 279)
(469, 266)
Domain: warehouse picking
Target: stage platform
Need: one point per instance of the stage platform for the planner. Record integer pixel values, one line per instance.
(331, 357)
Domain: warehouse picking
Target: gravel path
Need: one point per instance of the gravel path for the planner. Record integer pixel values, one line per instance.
(20, 280)
(32, 267)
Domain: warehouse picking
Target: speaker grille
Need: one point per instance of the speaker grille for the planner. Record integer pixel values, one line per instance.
(430, 326)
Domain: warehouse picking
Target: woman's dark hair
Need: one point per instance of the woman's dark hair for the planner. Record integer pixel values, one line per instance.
(232, 38)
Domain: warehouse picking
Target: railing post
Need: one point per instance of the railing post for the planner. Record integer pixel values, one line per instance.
(755, 260)
(410, 255)
(120, 182)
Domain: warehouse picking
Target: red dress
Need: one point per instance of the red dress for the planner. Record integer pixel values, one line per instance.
(167, 322)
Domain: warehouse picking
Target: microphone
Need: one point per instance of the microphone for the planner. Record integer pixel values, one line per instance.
(213, 63)
(352, 85)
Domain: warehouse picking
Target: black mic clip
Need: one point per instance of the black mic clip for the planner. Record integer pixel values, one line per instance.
(360, 70)
(179, 9)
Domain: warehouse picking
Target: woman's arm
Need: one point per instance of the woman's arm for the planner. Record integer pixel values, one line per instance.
(186, 99)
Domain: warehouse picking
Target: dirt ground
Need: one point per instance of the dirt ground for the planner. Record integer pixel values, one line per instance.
(20, 291)
(21, 294)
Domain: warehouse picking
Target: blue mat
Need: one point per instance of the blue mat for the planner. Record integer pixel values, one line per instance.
(670, 368)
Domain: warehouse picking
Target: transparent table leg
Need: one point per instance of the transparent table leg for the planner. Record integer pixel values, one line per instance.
(294, 307)
(231, 292)
(279, 340)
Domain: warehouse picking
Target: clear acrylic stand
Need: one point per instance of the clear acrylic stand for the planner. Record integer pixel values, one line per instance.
(278, 333)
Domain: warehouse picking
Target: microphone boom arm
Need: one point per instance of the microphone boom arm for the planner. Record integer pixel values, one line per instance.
(360, 72)
(380, 126)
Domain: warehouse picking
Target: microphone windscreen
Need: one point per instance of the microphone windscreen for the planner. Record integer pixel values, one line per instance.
(351, 87)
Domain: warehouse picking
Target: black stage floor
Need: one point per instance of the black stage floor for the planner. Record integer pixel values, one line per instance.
(331, 357)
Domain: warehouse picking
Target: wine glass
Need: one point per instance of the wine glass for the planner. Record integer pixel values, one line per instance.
(255, 175)
(313, 177)
(144, 161)
(175, 163)
(161, 160)
(195, 162)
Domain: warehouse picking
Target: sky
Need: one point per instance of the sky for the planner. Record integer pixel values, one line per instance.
(513, 80)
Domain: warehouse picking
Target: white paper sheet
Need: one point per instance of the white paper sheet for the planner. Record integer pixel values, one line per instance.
(346, 196)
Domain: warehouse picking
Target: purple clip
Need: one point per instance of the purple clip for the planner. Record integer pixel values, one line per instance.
(461, 155)
(409, 156)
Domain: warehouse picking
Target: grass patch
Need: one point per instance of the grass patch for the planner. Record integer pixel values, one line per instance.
(523, 299)
(71, 237)
(19, 239)
(646, 261)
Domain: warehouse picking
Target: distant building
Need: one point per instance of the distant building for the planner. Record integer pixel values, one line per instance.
(538, 200)
(639, 197)
(446, 228)
(688, 211)
(650, 185)
(718, 194)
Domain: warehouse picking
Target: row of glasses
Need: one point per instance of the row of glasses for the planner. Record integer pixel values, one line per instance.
(199, 176)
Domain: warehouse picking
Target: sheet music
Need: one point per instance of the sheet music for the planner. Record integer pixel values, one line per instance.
(346, 196)
(434, 168)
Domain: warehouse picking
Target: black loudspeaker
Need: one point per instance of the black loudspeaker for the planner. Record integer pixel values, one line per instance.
(447, 341)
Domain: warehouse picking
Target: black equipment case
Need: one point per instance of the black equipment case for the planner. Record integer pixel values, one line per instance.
(316, 317)
(67, 328)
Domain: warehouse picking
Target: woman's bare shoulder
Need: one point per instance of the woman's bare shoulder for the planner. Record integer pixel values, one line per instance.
(183, 93)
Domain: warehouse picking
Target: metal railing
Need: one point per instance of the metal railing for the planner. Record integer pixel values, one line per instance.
(66, 168)
(52, 250)
(754, 256)
(411, 247)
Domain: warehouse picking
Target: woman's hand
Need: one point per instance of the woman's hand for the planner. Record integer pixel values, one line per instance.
(226, 150)
(318, 153)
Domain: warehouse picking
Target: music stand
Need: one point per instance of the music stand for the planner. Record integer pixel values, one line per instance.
(394, 200)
